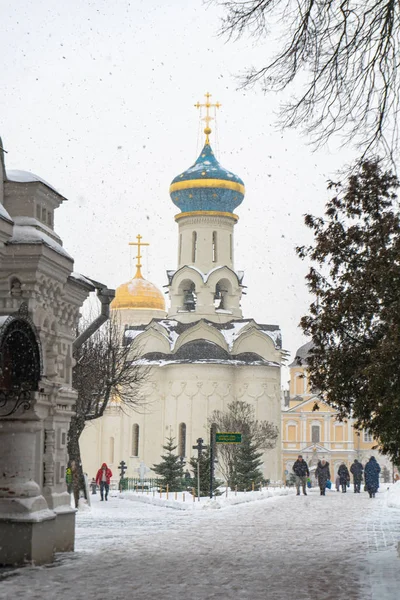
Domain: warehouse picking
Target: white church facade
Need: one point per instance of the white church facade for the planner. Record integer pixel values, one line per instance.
(201, 352)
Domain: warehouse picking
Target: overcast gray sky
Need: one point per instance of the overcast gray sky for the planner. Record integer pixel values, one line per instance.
(98, 99)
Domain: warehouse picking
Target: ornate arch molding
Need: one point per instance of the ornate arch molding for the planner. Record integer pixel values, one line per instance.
(21, 363)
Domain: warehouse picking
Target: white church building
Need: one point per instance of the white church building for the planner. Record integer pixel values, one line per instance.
(202, 351)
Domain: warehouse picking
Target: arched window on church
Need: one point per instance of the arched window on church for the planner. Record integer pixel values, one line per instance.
(230, 247)
(194, 246)
(111, 450)
(135, 440)
(214, 246)
(182, 440)
(180, 249)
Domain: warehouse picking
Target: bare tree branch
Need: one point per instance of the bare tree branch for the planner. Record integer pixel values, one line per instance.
(344, 57)
(240, 417)
(106, 370)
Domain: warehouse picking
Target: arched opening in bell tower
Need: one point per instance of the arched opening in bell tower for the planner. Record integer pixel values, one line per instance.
(187, 292)
(222, 290)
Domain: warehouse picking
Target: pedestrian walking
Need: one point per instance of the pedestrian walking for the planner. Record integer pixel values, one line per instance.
(371, 473)
(300, 469)
(344, 475)
(323, 474)
(357, 470)
(103, 478)
(337, 483)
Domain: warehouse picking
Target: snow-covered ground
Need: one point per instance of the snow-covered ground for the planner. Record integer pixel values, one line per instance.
(185, 500)
(278, 547)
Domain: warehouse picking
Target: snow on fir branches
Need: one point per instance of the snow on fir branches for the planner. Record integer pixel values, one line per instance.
(170, 469)
(354, 320)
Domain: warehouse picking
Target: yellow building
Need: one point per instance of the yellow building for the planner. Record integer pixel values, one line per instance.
(317, 434)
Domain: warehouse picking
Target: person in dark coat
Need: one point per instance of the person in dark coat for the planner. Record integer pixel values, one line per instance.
(344, 475)
(371, 473)
(357, 470)
(322, 473)
(300, 469)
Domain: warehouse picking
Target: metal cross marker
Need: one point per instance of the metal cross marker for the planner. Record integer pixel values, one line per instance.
(122, 467)
(207, 105)
(139, 244)
(199, 447)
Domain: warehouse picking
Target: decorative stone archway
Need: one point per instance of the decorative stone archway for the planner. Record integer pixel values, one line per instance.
(20, 363)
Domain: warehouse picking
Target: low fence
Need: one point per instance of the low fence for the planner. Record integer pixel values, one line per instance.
(155, 484)
(134, 484)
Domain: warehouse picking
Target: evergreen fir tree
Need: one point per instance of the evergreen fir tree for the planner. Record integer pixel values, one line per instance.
(170, 469)
(247, 465)
(204, 474)
(354, 318)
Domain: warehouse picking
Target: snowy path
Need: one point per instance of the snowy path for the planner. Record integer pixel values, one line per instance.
(338, 547)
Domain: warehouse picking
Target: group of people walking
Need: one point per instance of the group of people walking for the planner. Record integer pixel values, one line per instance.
(323, 475)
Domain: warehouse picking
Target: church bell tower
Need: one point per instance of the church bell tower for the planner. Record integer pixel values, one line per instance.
(205, 284)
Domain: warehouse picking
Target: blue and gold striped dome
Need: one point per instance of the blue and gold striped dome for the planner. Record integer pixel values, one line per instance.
(207, 186)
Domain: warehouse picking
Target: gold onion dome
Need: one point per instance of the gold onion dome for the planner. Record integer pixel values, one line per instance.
(138, 293)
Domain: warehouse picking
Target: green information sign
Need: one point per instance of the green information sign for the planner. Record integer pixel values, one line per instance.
(228, 438)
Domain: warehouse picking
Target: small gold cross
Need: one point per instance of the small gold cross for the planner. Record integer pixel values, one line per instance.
(207, 105)
(139, 244)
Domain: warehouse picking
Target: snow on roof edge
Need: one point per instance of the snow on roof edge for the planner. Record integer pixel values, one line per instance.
(18, 176)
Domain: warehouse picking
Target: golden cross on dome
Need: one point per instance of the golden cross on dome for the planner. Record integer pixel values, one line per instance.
(139, 244)
(207, 105)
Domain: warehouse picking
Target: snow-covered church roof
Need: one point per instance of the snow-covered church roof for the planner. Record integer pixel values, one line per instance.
(200, 349)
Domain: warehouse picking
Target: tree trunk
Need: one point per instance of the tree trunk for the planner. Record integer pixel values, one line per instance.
(76, 427)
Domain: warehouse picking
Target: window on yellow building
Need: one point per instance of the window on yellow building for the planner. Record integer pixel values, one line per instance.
(315, 433)
(368, 437)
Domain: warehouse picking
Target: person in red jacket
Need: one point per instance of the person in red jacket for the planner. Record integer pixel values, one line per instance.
(103, 480)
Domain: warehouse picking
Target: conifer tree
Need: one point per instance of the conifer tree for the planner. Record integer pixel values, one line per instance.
(170, 469)
(204, 474)
(247, 465)
(240, 416)
(354, 318)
